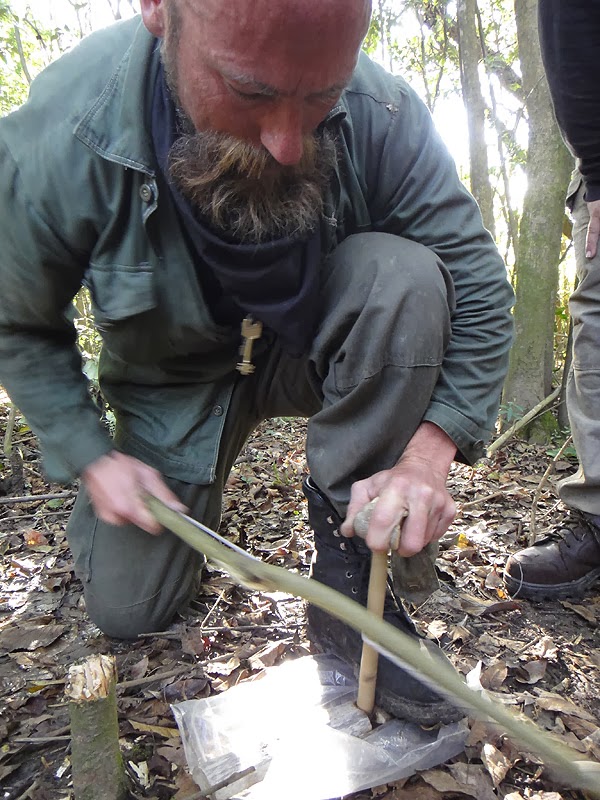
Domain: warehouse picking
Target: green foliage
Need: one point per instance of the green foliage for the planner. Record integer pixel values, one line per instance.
(510, 413)
(568, 452)
(26, 47)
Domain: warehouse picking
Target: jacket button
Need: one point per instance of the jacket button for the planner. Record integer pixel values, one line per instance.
(218, 411)
(146, 192)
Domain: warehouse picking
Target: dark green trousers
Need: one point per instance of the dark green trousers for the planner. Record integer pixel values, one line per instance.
(385, 307)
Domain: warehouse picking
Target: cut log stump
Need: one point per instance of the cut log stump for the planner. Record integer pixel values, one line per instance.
(98, 769)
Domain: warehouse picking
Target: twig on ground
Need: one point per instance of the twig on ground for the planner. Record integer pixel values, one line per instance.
(40, 739)
(57, 736)
(37, 515)
(478, 501)
(212, 609)
(158, 676)
(31, 498)
(540, 488)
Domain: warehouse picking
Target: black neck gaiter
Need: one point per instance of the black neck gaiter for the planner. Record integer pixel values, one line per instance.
(276, 282)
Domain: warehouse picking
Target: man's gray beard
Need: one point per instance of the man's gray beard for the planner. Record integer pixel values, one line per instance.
(242, 192)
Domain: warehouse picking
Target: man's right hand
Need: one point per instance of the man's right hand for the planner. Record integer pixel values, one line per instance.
(593, 231)
(115, 484)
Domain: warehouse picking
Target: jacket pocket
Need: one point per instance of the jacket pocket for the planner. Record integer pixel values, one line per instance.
(119, 292)
(127, 313)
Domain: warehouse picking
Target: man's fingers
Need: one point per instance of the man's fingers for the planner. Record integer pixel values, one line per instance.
(593, 231)
(359, 499)
(154, 484)
(591, 241)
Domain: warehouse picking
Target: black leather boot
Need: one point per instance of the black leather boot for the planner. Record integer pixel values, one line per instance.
(344, 565)
(564, 564)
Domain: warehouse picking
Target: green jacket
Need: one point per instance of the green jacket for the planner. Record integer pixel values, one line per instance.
(81, 202)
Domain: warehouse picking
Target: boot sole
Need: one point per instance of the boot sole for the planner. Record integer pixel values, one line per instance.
(556, 591)
(425, 714)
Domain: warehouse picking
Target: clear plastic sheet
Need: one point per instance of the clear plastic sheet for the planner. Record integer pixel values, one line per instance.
(295, 733)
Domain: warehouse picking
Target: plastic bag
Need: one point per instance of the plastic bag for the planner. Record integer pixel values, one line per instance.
(296, 733)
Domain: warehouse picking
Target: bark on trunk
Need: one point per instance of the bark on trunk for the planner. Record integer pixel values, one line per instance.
(98, 770)
(548, 167)
(470, 54)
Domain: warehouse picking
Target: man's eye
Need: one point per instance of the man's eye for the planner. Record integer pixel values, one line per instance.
(249, 96)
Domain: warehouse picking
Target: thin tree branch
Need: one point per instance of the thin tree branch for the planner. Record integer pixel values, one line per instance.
(22, 60)
(540, 488)
(521, 423)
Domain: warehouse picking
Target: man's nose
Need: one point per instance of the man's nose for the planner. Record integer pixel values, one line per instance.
(282, 135)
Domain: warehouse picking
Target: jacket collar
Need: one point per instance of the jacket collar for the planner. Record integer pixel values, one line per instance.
(117, 125)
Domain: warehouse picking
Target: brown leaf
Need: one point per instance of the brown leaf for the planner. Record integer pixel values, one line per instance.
(554, 702)
(437, 628)
(218, 667)
(188, 689)
(496, 763)
(34, 538)
(583, 611)
(193, 643)
(421, 792)
(459, 633)
(140, 669)
(268, 656)
(493, 677)
(29, 637)
(464, 778)
(580, 727)
(174, 755)
(532, 672)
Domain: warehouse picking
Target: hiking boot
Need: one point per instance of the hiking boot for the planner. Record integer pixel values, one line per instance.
(561, 565)
(344, 565)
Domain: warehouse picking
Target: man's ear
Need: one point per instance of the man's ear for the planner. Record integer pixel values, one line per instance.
(153, 16)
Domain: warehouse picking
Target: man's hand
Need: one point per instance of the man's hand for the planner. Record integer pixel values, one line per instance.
(115, 484)
(593, 231)
(412, 494)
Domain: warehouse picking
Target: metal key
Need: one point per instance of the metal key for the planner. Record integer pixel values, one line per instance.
(251, 330)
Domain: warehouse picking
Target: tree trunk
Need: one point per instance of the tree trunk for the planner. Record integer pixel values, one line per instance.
(470, 54)
(98, 771)
(548, 167)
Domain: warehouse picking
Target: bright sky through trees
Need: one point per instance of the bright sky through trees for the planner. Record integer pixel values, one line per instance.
(449, 115)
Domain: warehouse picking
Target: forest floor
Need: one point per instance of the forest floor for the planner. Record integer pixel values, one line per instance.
(543, 659)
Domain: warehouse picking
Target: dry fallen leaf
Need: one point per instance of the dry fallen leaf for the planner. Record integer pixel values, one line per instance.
(159, 730)
(139, 669)
(493, 676)
(35, 538)
(29, 637)
(496, 763)
(554, 702)
(267, 656)
(532, 671)
(420, 792)
(583, 611)
(220, 667)
(465, 779)
(437, 628)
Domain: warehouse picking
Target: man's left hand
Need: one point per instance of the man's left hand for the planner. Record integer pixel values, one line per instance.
(411, 494)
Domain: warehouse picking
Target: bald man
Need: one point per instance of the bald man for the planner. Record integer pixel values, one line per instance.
(220, 173)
